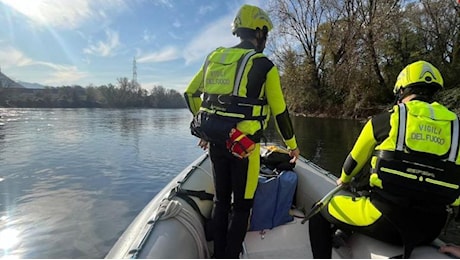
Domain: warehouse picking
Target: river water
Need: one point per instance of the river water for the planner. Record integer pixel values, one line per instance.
(71, 180)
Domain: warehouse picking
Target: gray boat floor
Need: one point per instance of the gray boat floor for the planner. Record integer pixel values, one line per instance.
(289, 241)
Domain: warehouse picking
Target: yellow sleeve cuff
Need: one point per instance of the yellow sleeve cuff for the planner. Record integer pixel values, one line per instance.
(291, 143)
(345, 178)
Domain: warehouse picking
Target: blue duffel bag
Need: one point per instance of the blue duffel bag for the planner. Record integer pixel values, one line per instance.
(272, 201)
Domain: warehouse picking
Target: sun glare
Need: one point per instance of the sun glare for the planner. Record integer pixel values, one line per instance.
(31, 9)
(8, 238)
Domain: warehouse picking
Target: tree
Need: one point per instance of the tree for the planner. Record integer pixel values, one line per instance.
(299, 20)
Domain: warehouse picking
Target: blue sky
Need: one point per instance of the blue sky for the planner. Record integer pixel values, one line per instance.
(82, 42)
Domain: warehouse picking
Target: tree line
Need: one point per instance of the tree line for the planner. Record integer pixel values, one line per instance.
(342, 57)
(126, 94)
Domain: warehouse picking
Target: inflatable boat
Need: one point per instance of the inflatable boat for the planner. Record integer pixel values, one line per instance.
(173, 223)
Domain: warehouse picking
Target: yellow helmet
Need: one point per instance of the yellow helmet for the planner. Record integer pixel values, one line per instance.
(418, 73)
(251, 17)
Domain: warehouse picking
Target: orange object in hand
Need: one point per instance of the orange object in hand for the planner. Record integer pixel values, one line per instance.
(239, 144)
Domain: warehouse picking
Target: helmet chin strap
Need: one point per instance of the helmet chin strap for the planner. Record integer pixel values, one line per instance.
(399, 97)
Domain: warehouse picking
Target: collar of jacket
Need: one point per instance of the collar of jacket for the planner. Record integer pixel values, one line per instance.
(245, 45)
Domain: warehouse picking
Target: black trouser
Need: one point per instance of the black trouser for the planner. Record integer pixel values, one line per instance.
(321, 232)
(410, 226)
(229, 177)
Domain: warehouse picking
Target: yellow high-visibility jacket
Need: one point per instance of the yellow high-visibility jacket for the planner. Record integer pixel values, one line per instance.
(240, 83)
(414, 152)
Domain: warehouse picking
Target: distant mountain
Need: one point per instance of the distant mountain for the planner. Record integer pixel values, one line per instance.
(31, 85)
(6, 82)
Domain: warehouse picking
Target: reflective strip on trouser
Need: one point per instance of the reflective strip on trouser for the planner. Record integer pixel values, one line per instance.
(253, 173)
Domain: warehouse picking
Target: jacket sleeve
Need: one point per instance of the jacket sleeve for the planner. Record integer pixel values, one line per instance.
(360, 154)
(278, 108)
(193, 92)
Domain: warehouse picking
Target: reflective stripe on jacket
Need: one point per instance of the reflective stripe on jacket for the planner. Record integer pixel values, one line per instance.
(225, 76)
(416, 153)
(257, 80)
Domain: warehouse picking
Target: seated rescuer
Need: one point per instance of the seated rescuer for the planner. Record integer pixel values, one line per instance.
(234, 92)
(414, 172)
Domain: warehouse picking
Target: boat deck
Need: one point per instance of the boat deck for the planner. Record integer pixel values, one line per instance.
(286, 241)
(291, 241)
(145, 238)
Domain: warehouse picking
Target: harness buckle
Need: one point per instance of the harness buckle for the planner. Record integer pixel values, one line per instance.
(221, 101)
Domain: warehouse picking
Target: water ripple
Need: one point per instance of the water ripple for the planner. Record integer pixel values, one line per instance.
(73, 179)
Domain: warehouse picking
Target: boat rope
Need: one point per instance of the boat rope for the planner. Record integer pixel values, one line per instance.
(174, 209)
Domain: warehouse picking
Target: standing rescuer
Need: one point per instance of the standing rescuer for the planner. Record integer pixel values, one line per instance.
(415, 173)
(231, 98)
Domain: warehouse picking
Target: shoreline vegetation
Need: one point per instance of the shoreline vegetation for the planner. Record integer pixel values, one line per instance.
(125, 94)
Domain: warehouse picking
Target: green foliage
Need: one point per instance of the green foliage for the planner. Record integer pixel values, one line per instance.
(342, 58)
(301, 95)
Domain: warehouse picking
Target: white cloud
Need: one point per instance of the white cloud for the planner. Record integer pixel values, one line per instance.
(65, 76)
(205, 9)
(106, 48)
(64, 14)
(177, 24)
(148, 36)
(175, 36)
(217, 34)
(12, 58)
(167, 54)
(167, 3)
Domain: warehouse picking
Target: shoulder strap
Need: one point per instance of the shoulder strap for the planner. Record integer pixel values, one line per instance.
(241, 68)
(454, 141)
(401, 127)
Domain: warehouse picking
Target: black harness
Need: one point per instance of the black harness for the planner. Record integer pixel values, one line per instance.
(416, 186)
